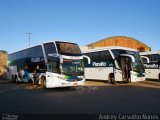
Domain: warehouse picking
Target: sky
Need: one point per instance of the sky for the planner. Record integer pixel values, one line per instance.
(79, 21)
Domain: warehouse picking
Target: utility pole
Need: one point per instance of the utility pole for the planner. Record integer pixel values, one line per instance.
(29, 35)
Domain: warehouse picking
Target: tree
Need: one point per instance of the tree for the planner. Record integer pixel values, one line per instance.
(3, 51)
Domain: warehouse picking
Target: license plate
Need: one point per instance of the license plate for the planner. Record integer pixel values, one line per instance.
(140, 79)
(75, 84)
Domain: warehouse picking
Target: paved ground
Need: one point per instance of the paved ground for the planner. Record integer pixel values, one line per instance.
(147, 83)
(95, 98)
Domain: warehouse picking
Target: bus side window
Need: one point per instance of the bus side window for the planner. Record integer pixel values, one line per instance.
(49, 67)
(85, 60)
(94, 56)
(155, 58)
(52, 67)
(116, 63)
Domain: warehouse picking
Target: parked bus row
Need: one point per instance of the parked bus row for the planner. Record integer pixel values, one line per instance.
(62, 64)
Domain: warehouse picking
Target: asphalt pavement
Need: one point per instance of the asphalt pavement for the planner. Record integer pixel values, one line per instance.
(94, 99)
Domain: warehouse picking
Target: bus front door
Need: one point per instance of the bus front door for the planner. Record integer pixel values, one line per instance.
(125, 66)
(122, 68)
(117, 71)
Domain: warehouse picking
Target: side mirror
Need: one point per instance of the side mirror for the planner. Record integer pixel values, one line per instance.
(89, 60)
(116, 65)
(145, 59)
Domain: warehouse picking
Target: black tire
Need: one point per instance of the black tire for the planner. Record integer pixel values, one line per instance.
(159, 78)
(129, 80)
(16, 79)
(12, 78)
(43, 81)
(111, 79)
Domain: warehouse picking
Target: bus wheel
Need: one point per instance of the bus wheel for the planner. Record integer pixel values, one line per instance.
(16, 79)
(111, 79)
(159, 78)
(129, 80)
(12, 78)
(43, 81)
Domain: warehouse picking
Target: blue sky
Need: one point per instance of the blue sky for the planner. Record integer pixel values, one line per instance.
(80, 21)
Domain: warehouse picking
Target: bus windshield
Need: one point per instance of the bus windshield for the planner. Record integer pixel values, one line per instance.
(136, 66)
(72, 67)
(65, 48)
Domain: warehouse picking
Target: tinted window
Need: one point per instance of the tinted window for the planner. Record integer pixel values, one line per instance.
(153, 57)
(103, 58)
(68, 48)
(35, 52)
(30, 52)
(94, 56)
(52, 67)
(49, 48)
(105, 55)
(117, 52)
(85, 59)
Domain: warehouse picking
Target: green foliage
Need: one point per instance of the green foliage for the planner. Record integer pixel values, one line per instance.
(3, 51)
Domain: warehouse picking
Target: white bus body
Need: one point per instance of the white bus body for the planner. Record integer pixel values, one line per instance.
(152, 64)
(114, 63)
(59, 64)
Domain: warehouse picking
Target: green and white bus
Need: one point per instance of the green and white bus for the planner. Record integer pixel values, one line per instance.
(59, 64)
(114, 63)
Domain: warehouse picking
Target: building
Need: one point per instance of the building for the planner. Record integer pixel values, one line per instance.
(123, 41)
(3, 64)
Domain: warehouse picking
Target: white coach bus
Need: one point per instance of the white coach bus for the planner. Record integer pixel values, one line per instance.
(55, 63)
(151, 61)
(114, 63)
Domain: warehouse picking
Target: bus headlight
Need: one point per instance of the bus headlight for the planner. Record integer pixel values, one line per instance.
(61, 77)
(81, 77)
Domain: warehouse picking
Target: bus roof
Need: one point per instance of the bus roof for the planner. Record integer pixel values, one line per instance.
(108, 48)
(41, 44)
(58, 41)
(150, 52)
(24, 49)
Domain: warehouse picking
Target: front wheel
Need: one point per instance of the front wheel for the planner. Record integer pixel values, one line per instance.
(111, 79)
(12, 78)
(159, 78)
(16, 79)
(43, 81)
(129, 80)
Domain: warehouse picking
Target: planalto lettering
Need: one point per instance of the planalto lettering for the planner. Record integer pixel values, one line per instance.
(98, 64)
(36, 60)
(151, 66)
